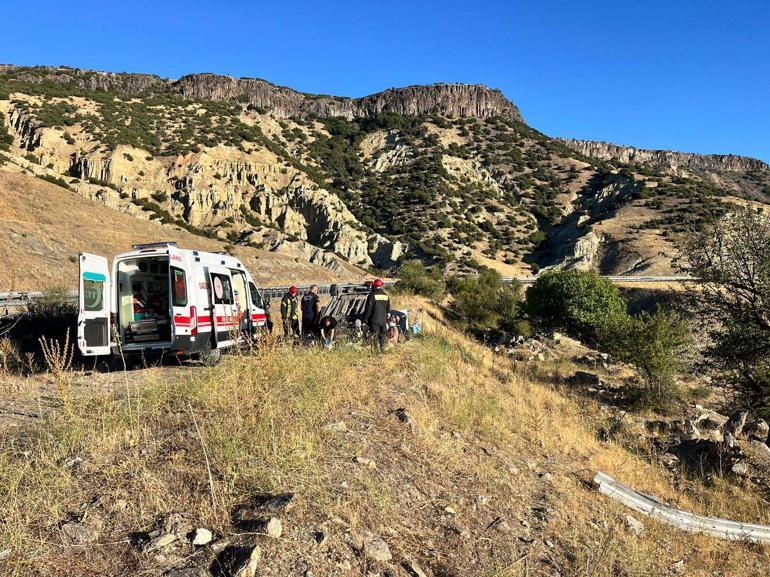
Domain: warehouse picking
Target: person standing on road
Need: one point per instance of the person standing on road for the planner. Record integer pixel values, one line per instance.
(376, 314)
(290, 312)
(311, 311)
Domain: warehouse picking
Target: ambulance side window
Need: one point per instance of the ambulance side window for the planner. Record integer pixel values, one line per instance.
(222, 289)
(178, 288)
(256, 298)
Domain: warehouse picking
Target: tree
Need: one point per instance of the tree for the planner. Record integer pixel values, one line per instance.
(415, 277)
(485, 303)
(579, 302)
(731, 261)
(655, 345)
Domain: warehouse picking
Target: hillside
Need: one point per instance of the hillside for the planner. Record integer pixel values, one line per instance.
(438, 459)
(44, 227)
(448, 173)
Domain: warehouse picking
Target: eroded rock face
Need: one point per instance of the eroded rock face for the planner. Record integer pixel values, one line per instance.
(666, 159)
(474, 100)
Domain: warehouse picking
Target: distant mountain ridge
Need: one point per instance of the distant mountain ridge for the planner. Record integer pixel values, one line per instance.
(448, 99)
(447, 173)
(667, 159)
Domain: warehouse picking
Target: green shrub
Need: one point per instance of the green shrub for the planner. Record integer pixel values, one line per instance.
(579, 302)
(415, 277)
(655, 345)
(485, 304)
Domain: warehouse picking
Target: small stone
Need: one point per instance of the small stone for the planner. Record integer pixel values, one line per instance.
(411, 567)
(741, 469)
(406, 418)
(481, 500)
(161, 542)
(365, 461)
(249, 567)
(339, 427)
(202, 537)
(449, 510)
(120, 505)
(79, 532)
(376, 548)
(669, 460)
(549, 544)
(634, 525)
(319, 536)
(458, 530)
(501, 525)
(274, 528)
(545, 476)
(4, 554)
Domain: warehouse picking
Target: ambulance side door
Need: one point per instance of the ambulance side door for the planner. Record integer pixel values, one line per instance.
(223, 308)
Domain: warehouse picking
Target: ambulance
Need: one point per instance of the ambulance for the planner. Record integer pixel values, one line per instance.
(161, 299)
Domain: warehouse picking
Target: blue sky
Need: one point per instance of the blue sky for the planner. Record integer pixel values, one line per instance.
(684, 74)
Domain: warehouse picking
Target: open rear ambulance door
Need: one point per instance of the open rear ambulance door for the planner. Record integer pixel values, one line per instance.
(93, 305)
(223, 308)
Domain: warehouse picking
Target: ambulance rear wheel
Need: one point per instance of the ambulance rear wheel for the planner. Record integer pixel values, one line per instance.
(210, 356)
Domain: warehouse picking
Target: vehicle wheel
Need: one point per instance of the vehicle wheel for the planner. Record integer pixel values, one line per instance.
(210, 356)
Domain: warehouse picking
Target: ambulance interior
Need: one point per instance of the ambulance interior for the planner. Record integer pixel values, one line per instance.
(143, 300)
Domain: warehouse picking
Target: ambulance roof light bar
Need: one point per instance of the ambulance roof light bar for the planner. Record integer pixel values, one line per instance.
(153, 245)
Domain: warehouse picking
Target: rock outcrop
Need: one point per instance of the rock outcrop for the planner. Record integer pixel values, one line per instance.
(455, 99)
(666, 159)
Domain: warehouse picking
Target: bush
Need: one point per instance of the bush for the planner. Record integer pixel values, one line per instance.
(485, 304)
(415, 277)
(581, 303)
(654, 344)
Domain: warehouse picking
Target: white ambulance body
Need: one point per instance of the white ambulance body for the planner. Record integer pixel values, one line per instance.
(160, 298)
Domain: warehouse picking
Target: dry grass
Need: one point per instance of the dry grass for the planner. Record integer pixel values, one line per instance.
(264, 420)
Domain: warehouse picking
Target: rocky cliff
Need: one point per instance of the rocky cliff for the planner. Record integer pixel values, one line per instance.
(666, 159)
(463, 100)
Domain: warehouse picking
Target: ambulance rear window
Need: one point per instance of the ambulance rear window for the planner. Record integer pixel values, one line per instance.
(93, 295)
(178, 288)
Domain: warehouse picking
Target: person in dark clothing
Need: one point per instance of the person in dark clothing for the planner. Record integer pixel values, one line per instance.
(290, 313)
(327, 327)
(311, 311)
(376, 314)
(399, 319)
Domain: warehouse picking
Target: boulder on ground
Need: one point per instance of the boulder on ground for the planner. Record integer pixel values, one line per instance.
(375, 548)
(735, 424)
(757, 429)
(585, 379)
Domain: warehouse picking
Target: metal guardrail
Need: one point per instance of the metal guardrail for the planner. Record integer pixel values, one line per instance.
(19, 299)
(714, 526)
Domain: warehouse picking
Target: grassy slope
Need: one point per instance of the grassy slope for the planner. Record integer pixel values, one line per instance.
(44, 227)
(483, 428)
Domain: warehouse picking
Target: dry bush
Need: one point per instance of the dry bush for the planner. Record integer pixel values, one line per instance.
(58, 357)
(11, 359)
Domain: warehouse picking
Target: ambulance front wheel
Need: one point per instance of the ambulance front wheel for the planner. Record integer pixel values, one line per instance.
(210, 356)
